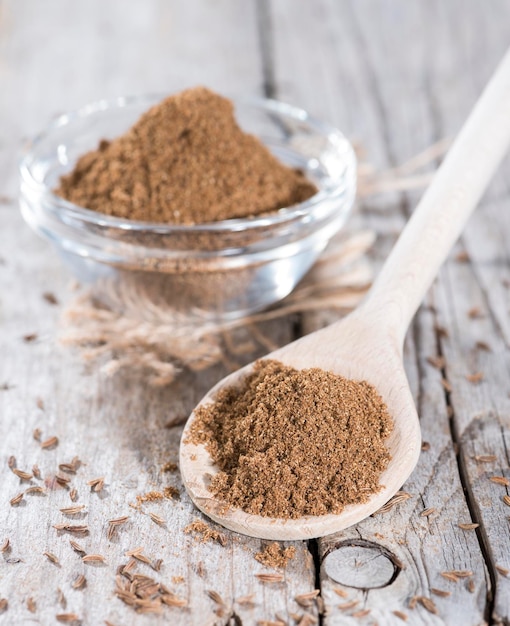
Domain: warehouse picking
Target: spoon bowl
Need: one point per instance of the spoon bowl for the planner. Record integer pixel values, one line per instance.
(368, 344)
(357, 352)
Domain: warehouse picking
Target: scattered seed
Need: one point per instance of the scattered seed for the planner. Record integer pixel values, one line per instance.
(5, 546)
(76, 547)
(31, 605)
(215, 596)
(142, 558)
(72, 510)
(37, 434)
(486, 458)
(114, 523)
(73, 494)
(270, 578)
(50, 297)
(67, 618)
(96, 484)
(170, 599)
(455, 574)
(468, 526)
(320, 605)
(93, 558)
(500, 480)
(61, 599)
(4, 604)
(17, 499)
(22, 475)
(246, 600)
(401, 615)
(506, 500)
(362, 613)
(156, 565)
(502, 570)
(51, 557)
(425, 445)
(157, 519)
(475, 378)
(348, 605)
(400, 496)
(471, 585)
(475, 312)
(446, 385)
(440, 592)
(79, 582)
(36, 471)
(30, 337)
(341, 592)
(306, 620)
(462, 573)
(74, 530)
(118, 521)
(429, 511)
(11, 462)
(129, 566)
(49, 443)
(72, 467)
(63, 481)
(307, 599)
(450, 576)
(481, 345)
(428, 604)
(438, 362)
(462, 257)
(134, 551)
(34, 489)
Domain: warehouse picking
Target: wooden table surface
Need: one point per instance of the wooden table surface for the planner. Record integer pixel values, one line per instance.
(394, 75)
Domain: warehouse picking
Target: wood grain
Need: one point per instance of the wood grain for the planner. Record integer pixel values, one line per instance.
(397, 76)
(58, 59)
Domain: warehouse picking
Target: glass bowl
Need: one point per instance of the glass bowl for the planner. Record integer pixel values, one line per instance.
(220, 270)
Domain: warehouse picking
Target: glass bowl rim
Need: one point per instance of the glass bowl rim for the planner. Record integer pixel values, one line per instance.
(285, 214)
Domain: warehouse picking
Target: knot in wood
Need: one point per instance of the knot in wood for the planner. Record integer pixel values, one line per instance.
(362, 565)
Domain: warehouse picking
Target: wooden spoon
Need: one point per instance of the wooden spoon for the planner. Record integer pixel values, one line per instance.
(368, 344)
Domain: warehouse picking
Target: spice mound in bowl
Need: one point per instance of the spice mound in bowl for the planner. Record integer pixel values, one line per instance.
(290, 443)
(192, 204)
(185, 161)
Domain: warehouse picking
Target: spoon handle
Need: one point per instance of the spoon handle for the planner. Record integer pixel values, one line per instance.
(444, 209)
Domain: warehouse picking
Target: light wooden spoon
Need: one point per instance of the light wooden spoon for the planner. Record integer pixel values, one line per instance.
(367, 345)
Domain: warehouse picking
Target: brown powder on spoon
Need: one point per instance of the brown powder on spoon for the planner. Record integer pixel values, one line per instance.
(295, 442)
(185, 161)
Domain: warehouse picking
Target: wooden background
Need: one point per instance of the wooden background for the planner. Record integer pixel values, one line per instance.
(397, 75)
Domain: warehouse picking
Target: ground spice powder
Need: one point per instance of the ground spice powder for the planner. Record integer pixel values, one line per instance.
(274, 555)
(185, 161)
(295, 442)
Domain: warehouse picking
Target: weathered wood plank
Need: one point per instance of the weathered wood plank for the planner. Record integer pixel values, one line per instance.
(416, 67)
(54, 58)
(480, 409)
(117, 429)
